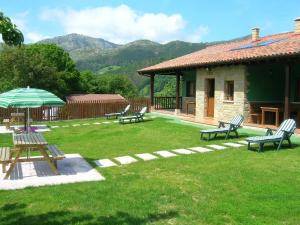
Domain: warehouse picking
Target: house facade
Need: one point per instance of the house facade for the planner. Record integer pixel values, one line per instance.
(242, 77)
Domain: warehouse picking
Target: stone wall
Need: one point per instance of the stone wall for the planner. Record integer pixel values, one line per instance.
(223, 110)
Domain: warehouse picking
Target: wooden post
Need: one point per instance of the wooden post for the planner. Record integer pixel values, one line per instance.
(287, 92)
(152, 90)
(177, 92)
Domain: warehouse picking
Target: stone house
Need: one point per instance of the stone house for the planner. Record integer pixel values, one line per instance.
(255, 77)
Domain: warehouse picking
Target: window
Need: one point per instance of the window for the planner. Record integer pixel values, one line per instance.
(229, 90)
(191, 89)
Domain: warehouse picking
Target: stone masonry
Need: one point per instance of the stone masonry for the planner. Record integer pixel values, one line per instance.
(223, 110)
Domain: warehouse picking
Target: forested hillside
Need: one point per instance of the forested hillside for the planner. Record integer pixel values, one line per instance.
(106, 58)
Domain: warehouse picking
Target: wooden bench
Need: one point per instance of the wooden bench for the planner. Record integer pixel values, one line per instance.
(55, 154)
(5, 157)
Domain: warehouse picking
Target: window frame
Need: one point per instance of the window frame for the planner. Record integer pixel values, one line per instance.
(229, 90)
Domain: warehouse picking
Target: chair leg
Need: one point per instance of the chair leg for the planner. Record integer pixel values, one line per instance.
(236, 133)
(248, 145)
(209, 136)
(227, 135)
(280, 143)
(216, 134)
(261, 147)
(290, 143)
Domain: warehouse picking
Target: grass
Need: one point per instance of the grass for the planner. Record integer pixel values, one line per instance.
(233, 186)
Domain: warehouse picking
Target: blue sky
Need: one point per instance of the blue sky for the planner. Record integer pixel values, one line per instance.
(157, 20)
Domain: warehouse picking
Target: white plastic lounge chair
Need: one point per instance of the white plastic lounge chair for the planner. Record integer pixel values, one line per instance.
(139, 116)
(225, 127)
(116, 115)
(284, 132)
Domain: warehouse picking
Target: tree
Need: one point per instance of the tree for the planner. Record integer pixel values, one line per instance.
(10, 34)
(107, 84)
(44, 66)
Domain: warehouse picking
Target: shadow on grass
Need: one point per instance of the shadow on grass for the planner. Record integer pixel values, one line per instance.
(15, 213)
(271, 147)
(221, 137)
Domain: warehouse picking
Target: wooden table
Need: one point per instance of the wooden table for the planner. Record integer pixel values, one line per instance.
(270, 109)
(33, 141)
(187, 105)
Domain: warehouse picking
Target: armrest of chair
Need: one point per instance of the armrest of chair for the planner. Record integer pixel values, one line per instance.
(288, 133)
(221, 124)
(269, 131)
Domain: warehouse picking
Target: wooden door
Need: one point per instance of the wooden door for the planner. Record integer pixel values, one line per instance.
(210, 96)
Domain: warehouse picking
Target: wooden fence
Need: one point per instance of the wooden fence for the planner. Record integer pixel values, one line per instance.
(79, 110)
(166, 102)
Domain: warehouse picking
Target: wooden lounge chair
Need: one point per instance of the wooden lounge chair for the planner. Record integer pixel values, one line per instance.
(117, 114)
(284, 132)
(139, 116)
(225, 128)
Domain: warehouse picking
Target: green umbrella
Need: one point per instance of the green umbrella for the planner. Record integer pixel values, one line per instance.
(29, 98)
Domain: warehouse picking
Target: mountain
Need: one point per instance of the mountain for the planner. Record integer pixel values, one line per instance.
(78, 45)
(104, 57)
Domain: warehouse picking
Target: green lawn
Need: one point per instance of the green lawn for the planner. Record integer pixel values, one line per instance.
(233, 186)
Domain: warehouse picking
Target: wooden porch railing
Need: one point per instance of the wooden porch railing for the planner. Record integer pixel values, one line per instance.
(166, 102)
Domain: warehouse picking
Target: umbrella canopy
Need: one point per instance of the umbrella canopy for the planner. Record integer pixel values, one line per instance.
(29, 98)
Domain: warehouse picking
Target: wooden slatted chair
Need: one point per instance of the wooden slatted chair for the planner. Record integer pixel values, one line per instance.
(139, 116)
(117, 114)
(225, 128)
(283, 133)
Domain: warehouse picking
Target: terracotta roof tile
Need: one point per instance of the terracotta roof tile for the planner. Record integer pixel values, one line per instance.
(283, 44)
(95, 97)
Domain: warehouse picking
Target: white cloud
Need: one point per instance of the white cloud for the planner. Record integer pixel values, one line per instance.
(30, 36)
(34, 36)
(198, 34)
(121, 24)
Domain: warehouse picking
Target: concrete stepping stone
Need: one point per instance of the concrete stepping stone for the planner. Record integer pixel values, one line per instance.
(125, 160)
(105, 163)
(217, 147)
(96, 123)
(116, 121)
(201, 149)
(76, 125)
(54, 126)
(234, 145)
(165, 154)
(146, 156)
(65, 126)
(106, 122)
(86, 124)
(243, 142)
(183, 151)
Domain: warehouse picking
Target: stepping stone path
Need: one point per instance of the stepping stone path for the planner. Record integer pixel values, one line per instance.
(243, 142)
(183, 151)
(85, 124)
(65, 126)
(107, 122)
(96, 123)
(146, 156)
(201, 149)
(54, 126)
(76, 125)
(105, 163)
(125, 160)
(217, 147)
(234, 145)
(165, 154)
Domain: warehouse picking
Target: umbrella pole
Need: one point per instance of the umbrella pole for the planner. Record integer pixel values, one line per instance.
(25, 116)
(28, 119)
